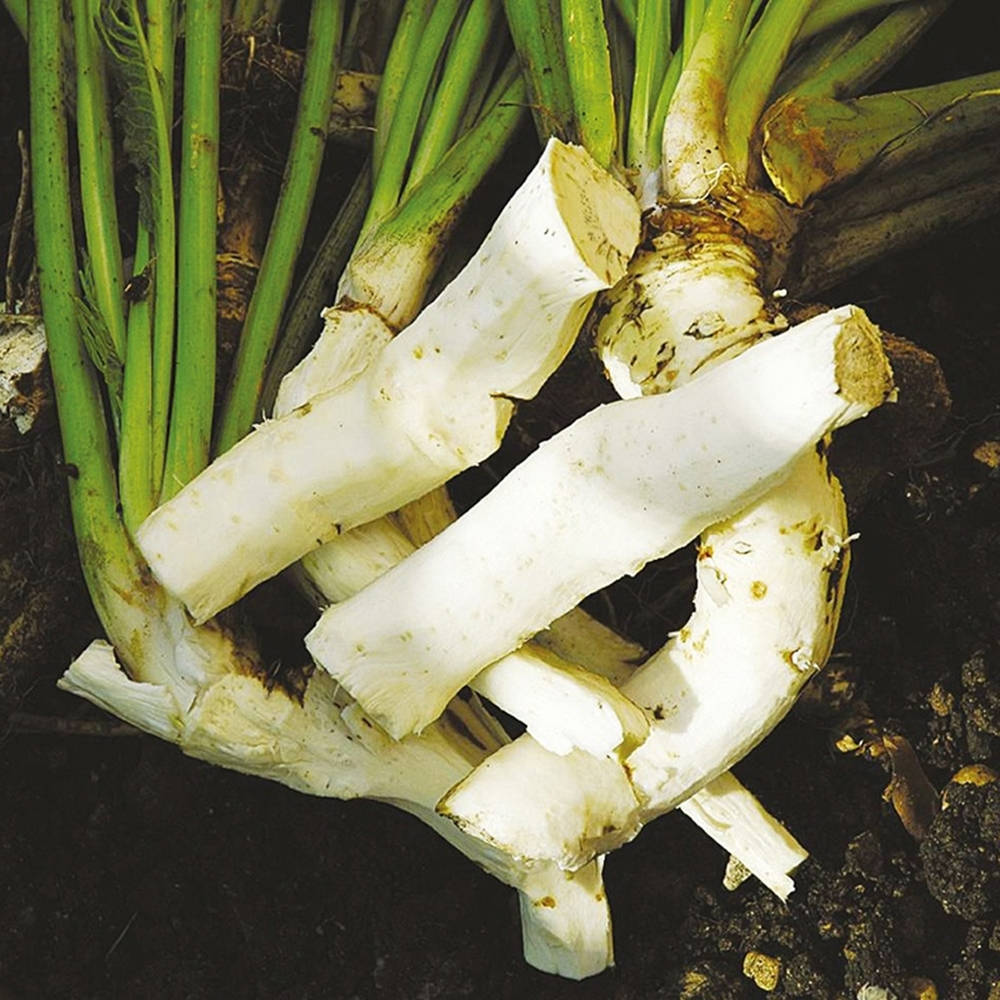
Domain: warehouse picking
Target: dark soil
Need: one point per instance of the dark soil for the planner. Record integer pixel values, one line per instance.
(127, 870)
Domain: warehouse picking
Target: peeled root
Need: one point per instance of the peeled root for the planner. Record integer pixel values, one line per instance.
(436, 401)
(627, 483)
(562, 706)
(323, 746)
(770, 580)
(733, 818)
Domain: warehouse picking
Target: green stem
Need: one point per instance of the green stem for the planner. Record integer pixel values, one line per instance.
(752, 11)
(107, 559)
(402, 52)
(588, 62)
(242, 404)
(390, 171)
(621, 47)
(136, 477)
(761, 61)
(318, 286)
(818, 55)
(876, 53)
(368, 34)
(474, 41)
(694, 147)
(654, 145)
(148, 368)
(392, 267)
(97, 179)
(827, 256)
(812, 143)
(481, 89)
(630, 15)
(194, 367)
(161, 36)
(537, 34)
(883, 191)
(158, 44)
(693, 17)
(652, 54)
(244, 14)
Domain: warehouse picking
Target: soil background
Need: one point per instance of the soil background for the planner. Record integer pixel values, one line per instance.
(127, 870)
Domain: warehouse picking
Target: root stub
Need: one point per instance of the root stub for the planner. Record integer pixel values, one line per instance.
(860, 365)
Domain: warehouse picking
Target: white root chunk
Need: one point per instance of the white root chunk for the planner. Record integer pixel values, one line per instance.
(629, 482)
(734, 819)
(562, 934)
(756, 637)
(724, 809)
(324, 747)
(436, 400)
(351, 337)
(562, 705)
(549, 809)
(579, 638)
(96, 676)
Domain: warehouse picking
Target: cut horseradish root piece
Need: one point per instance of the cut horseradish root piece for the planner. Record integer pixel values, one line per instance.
(528, 820)
(734, 819)
(324, 745)
(437, 399)
(563, 706)
(627, 483)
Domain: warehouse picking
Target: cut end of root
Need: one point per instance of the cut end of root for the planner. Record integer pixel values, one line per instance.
(860, 364)
(601, 215)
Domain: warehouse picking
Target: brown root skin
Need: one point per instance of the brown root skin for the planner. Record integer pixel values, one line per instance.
(757, 218)
(698, 290)
(236, 277)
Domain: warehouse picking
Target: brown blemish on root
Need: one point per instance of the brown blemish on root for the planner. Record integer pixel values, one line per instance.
(547, 901)
(758, 589)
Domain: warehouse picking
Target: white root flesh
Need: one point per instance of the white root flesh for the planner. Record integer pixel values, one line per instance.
(194, 690)
(579, 638)
(770, 584)
(770, 580)
(352, 336)
(436, 401)
(724, 809)
(326, 746)
(734, 819)
(344, 565)
(562, 706)
(629, 482)
(572, 808)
